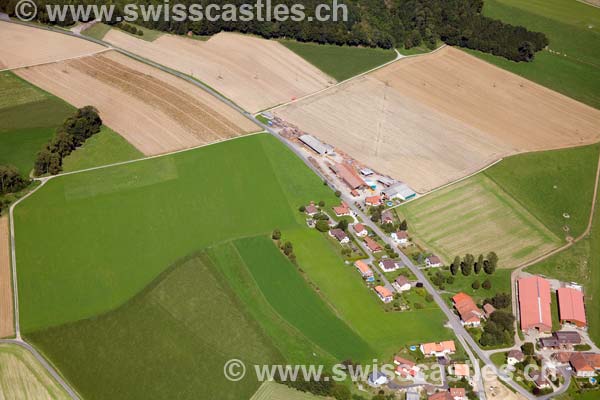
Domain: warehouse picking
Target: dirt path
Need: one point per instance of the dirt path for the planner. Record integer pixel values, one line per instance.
(7, 327)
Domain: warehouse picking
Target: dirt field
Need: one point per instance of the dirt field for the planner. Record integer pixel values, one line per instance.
(154, 111)
(23, 46)
(476, 216)
(430, 120)
(253, 72)
(494, 389)
(7, 327)
(22, 377)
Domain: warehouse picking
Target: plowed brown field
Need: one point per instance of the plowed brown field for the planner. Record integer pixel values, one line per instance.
(153, 110)
(7, 327)
(253, 72)
(22, 46)
(432, 119)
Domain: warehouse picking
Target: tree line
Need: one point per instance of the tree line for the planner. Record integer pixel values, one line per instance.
(71, 135)
(371, 23)
(468, 264)
(11, 181)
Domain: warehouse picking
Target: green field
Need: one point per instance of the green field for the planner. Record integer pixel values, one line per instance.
(552, 183)
(340, 62)
(276, 391)
(573, 29)
(500, 281)
(170, 341)
(97, 31)
(106, 147)
(23, 377)
(29, 118)
(477, 216)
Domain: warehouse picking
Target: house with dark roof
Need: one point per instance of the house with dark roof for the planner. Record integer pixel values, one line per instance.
(401, 284)
(539, 379)
(433, 261)
(340, 235)
(389, 265)
(400, 237)
(515, 356)
(560, 339)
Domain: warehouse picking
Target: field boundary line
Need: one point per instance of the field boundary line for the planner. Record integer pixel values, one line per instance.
(399, 57)
(57, 61)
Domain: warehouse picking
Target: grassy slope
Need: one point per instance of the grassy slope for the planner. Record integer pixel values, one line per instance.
(551, 183)
(106, 147)
(340, 62)
(566, 23)
(297, 302)
(29, 118)
(22, 376)
(167, 342)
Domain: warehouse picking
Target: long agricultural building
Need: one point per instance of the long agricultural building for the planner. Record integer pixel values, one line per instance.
(571, 306)
(534, 304)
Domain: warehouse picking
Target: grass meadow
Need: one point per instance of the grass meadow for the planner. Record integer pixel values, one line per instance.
(340, 62)
(97, 31)
(477, 216)
(29, 118)
(552, 183)
(277, 391)
(573, 28)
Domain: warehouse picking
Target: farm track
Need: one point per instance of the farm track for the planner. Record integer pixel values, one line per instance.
(7, 327)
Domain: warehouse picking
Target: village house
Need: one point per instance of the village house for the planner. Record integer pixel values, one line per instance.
(377, 379)
(342, 210)
(387, 218)
(373, 201)
(360, 230)
(445, 395)
(461, 370)
(561, 339)
(402, 284)
(389, 265)
(562, 357)
(458, 393)
(340, 235)
(372, 245)
(470, 314)
(400, 237)
(514, 357)
(539, 379)
(365, 271)
(585, 365)
(405, 368)
(488, 309)
(311, 209)
(433, 261)
(384, 294)
(441, 349)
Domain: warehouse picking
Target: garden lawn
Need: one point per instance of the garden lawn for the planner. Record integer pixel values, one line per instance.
(500, 281)
(170, 341)
(105, 147)
(291, 296)
(573, 29)
(29, 117)
(88, 242)
(340, 62)
(552, 183)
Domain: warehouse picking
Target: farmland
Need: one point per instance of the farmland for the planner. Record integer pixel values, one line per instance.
(551, 184)
(432, 119)
(340, 62)
(23, 46)
(7, 324)
(154, 111)
(572, 67)
(29, 117)
(277, 391)
(477, 216)
(255, 73)
(22, 377)
(106, 147)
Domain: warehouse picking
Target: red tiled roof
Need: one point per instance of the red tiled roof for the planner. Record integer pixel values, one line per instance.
(448, 345)
(466, 307)
(350, 177)
(359, 228)
(402, 280)
(585, 361)
(458, 392)
(373, 200)
(383, 291)
(363, 267)
(402, 235)
(372, 245)
(570, 305)
(534, 304)
(461, 370)
(440, 396)
(403, 362)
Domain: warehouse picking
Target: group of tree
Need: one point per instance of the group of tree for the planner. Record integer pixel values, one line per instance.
(372, 23)
(468, 264)
(71, 135)
(499, 329)
(391, 227)
(286, 247)
(325, 386)
(130, 28)
(11, 180)
(500, 300)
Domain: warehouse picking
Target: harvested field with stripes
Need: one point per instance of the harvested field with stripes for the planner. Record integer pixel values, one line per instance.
(253, 72)
(153, 110)
(477, 216)
(432, 119)
(7, 327)
(22, 46)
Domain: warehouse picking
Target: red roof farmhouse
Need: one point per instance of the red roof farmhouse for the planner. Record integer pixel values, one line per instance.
(571, 307)
(534, 304)
(470, 314)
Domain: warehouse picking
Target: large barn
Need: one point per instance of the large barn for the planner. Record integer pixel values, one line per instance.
(571, 307)
(534, 304)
